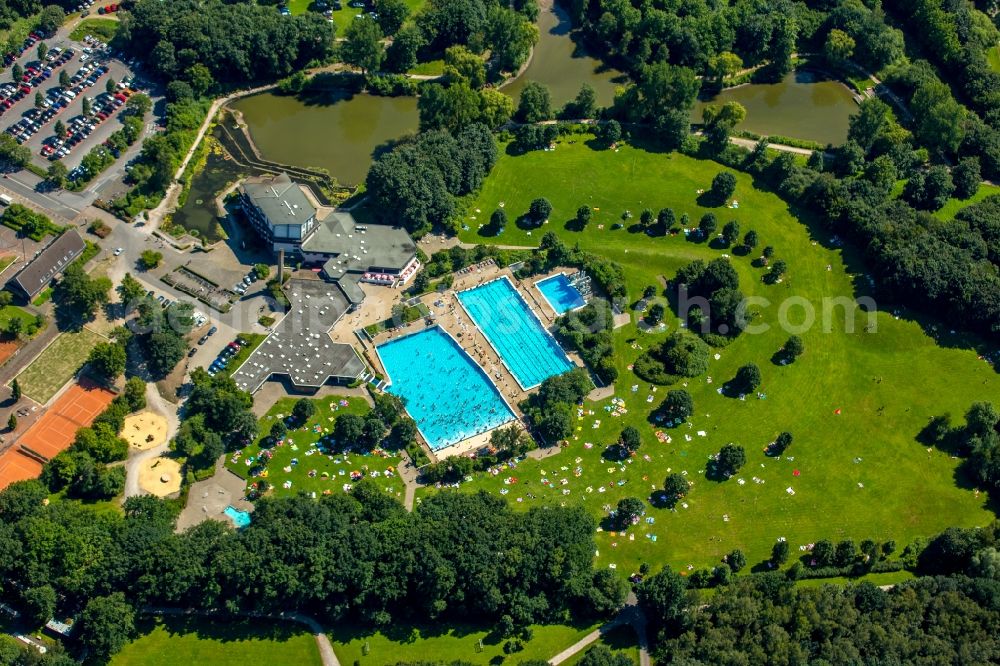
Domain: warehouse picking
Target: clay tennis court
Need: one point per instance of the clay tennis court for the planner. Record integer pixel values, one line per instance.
(54, 431)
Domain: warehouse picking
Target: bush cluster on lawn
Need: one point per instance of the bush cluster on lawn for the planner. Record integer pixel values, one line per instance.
(550, 410)
(590, 331)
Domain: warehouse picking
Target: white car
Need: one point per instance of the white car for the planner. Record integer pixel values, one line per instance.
(119, 251)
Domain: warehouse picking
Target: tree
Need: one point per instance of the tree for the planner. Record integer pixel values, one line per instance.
(723, 186)
(707, 225)
(731, 232)
(736, 560)
(108, 360)
(391, 15)
(629, 510)
(629, 439)
(666, 219)
(79, 293)
(781, 443)
(15, 390)
(135, 394)
(750, 240)
(64, 78)
(724, 65)
(401, 55)
(777, 271)
(139, 104)
(40, 604)
(43, 50)
(663, 597)
(12, 422)
(303, 410)
(839, 46)
(583, 214)
(87, 106)
(779, 553)
(150, 259)
(509, 37)
(678, 405)
(539, 210)
(966, 176)
(498, 221)
(130, 291)
(50, 19)
(535, 104)
(793, 347)
(39, 100)
(164, 351)
(583, 105)
(106, 625)
(16, 72)
(675, 486)
(57, 173)
(347, 429)
(610, 132)
(747, 378)
(461, 64)
(731, 458)
(362, 46)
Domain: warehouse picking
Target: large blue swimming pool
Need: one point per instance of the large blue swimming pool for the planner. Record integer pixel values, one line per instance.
(446, 393)
(530, 353)
(560, 293)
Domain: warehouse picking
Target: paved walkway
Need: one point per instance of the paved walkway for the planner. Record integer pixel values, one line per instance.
(630, 614)
(326, 652)
(408, 475)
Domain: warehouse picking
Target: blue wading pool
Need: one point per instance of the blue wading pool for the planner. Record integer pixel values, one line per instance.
(527, 349)
(240, 518)
(560, 293)
(446, 393)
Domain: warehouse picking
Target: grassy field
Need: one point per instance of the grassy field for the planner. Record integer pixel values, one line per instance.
(855, 401)
(198, 641)
(993, 57)
(103, 29)
(948, 211)
(9, 312)
(620, 640)
(57, 364)
(343, 17)
(244, 353)
(467, 644)
(294, 454)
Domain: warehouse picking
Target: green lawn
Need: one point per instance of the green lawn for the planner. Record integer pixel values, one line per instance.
(854, 402)
(890, 578)
(948, 211)
(993, 57)
(44, 296)
(244, 353)
(103, 29)
(200, 641)
(9, 312)
(298, 446)
(621, 640)
(343, 17)
(6, 261)
(57, 364)
(447, 644)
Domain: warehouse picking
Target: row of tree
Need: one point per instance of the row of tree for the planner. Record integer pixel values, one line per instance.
(358, 557)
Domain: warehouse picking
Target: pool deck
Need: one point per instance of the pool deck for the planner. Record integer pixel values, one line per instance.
(451, 316)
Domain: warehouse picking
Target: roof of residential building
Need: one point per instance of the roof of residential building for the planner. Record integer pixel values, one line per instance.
(49, 262)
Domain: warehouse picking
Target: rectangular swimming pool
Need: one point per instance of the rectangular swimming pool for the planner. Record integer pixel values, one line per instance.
(560, 293)
(526, 348)
(446, 393)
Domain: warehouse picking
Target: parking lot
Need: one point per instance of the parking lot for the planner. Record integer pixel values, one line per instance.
(88, 66)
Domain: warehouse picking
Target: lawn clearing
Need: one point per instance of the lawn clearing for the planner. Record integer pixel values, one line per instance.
(253, 341)
(305, 465)
(6, 261)
(446, 644)
(57, 364)
(11, 312)
(855, 401)
(103, 29)
(342, 17)
(620, 640)
(44, 296)
(950, 209)
(171, 641)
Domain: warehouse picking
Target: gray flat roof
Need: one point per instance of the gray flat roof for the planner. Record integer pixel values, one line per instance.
(52, 260)
(359, 247)
(280, 199)
(299, 346)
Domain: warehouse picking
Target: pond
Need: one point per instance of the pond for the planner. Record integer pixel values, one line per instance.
(338, 131)
(803, 105)
(199, 212)
(560, 64)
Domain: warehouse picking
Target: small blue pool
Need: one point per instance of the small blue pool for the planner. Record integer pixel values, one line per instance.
(446, 393)
(560, 293)
(527, 349)
(240, 518)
